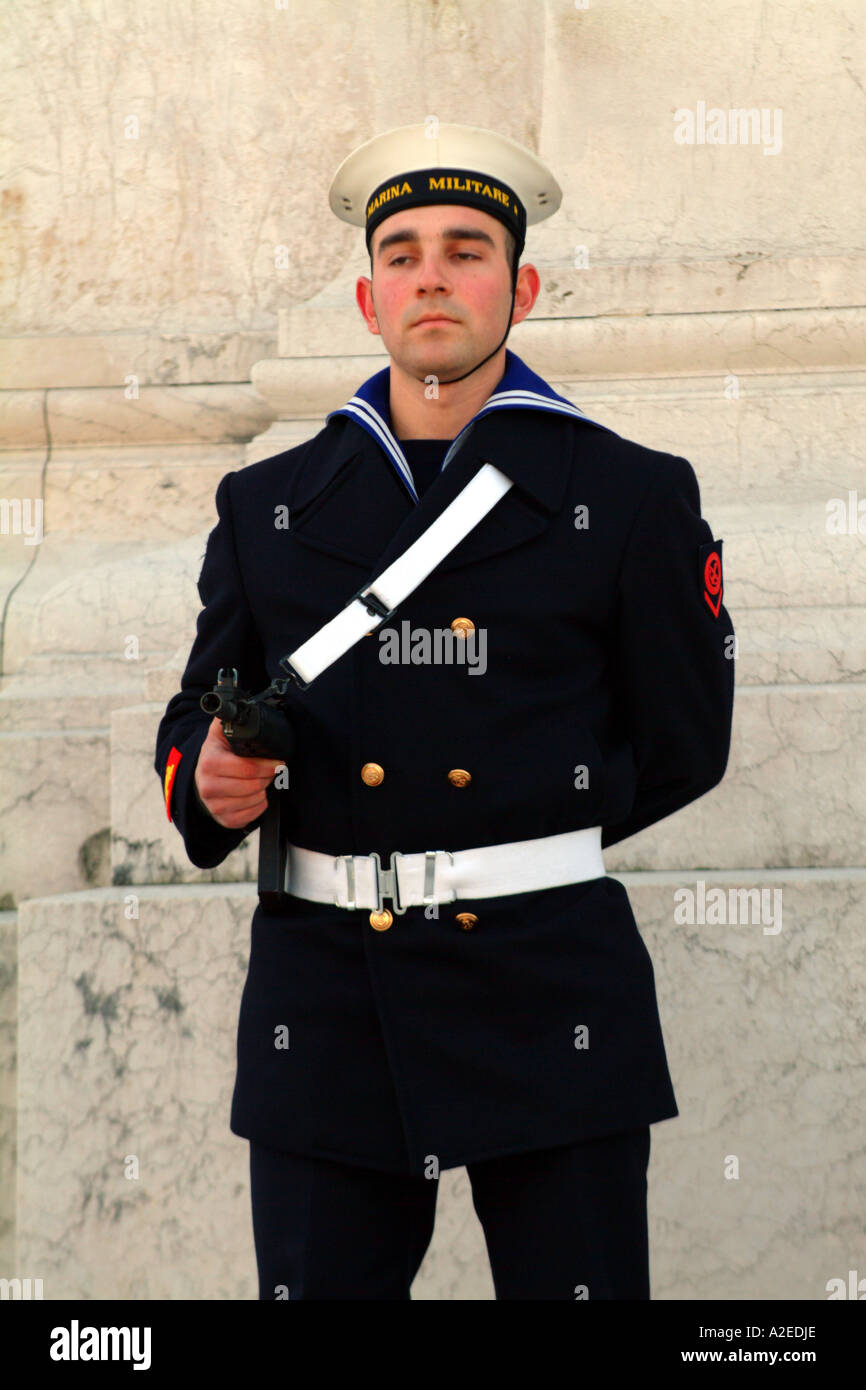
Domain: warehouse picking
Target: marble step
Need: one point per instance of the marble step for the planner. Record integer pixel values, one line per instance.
(782, 556)
(79, 690)
(784, 646)
(788, 737)
(8, 1084)
(765, 436)
(127, 1013)
(793, 748)
(794, 793)
(90, 799)
(58, 690)
(89, 598)
(776, 556)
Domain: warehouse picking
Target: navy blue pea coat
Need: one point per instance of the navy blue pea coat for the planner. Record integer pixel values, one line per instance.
(606, 700)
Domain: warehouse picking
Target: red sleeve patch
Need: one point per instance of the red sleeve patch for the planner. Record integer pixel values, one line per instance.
(174, 758)
(710, 575)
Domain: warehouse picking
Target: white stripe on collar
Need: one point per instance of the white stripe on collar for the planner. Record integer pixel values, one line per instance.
(523, 397)
(373, 420)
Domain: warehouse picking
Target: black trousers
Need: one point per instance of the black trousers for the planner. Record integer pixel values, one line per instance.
(562, 1223)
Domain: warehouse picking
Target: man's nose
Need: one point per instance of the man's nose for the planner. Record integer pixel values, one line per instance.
(433, 271)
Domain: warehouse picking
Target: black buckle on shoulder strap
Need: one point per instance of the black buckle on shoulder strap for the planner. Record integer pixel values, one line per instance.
(371, 601)
(293, 674)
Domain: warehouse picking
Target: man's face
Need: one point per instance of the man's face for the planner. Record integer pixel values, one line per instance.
(446, 260)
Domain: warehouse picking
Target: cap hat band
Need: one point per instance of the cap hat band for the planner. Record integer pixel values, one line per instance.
(423, 187)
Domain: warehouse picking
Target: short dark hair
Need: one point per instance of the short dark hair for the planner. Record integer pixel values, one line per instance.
(510, 249)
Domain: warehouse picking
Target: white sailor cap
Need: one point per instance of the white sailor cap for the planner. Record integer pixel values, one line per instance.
(416, 165)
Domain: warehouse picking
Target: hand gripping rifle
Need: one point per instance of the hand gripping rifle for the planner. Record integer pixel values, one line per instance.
(257, 726)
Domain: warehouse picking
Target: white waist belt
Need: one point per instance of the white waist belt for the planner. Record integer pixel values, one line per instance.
(442, 876)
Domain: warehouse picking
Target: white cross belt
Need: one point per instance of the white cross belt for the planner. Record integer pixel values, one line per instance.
(379, 599)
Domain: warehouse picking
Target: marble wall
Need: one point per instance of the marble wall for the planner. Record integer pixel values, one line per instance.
(177, 301)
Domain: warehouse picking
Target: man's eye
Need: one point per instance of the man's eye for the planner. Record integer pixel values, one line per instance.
(472, 255)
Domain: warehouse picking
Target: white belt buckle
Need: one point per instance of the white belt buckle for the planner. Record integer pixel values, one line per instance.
(387, 880)
(387, 885)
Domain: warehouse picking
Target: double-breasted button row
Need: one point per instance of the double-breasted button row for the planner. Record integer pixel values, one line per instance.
(381, 921)
(372, 774)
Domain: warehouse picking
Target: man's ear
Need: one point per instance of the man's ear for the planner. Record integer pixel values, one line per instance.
(528, 289)
(364, 300)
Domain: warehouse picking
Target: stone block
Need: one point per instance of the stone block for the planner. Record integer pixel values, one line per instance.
(54, 809)
(129, 1011)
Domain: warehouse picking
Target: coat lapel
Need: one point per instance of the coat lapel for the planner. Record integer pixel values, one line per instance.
(510, 443)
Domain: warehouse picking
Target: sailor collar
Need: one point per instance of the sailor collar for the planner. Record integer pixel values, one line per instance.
(519, 389)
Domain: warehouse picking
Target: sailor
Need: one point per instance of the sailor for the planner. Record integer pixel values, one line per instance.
(452, 978)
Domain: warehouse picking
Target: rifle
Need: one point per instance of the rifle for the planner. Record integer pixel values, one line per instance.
(257, 726)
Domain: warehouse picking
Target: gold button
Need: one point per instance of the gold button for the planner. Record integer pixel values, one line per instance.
(372, 774)
(467, 920)
(458, 776)
(381, 921)
(461, 626)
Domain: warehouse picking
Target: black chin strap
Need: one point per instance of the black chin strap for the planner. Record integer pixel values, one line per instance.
(453, 379)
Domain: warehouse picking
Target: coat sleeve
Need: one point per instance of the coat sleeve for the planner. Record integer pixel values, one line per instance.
(226, 635)
(673, 657)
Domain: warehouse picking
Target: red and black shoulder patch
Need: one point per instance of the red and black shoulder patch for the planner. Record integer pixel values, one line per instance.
(710, 575)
